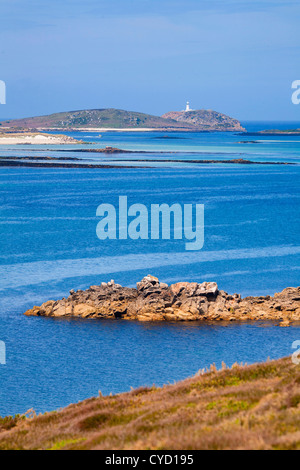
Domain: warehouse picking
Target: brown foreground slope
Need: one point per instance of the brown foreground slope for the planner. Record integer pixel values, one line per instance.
(253, 407)
(184, 301)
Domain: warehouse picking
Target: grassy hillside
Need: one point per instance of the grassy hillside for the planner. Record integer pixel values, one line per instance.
(101, 118)
(254, 407)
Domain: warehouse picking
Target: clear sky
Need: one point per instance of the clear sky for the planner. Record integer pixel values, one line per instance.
(235, 56)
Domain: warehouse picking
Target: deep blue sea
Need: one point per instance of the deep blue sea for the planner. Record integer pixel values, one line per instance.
(49, 246)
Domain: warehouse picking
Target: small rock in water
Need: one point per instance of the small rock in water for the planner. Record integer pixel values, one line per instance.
(285, 324)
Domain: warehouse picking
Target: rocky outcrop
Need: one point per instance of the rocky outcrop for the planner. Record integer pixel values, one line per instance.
(184, 301)
(206, 120)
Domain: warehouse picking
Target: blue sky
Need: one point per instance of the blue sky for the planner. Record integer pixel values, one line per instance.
(235, 56)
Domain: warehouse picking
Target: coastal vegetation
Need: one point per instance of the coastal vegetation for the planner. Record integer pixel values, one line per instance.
(242, 407)
(96, 118)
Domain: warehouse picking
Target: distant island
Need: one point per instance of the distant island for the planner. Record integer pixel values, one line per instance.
(71, 162)
(270, 132)
(204, 119)
(117, 119)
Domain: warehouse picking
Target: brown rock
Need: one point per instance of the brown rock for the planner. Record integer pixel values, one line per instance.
(183, 301)
(178, 288)
(83, 310)
(147, 283)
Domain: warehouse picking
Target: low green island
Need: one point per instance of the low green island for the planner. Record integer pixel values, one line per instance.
(118, 119)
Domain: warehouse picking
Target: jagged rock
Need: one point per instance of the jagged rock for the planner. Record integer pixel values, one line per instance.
(207, 289)
(147, 282)
(83, 310)
(183, 301)
(59, 310)
(163, 285)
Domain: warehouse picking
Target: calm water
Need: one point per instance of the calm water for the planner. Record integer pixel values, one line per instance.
(49, 246)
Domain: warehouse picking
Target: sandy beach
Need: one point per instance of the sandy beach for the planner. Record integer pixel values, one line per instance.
(36, 138)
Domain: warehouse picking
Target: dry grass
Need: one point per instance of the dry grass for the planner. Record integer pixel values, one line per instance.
(253, 407)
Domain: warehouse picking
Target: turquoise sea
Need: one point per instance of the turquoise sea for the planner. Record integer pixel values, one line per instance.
(49, 246)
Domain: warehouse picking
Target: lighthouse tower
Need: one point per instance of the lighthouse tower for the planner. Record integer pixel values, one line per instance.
(187, 109)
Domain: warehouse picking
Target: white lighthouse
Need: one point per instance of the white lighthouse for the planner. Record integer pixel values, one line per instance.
(187, 109)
